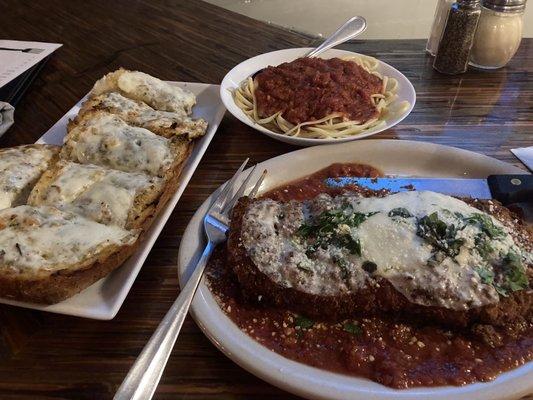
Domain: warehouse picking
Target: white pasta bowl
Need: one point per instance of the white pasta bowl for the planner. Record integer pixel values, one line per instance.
(234, 78)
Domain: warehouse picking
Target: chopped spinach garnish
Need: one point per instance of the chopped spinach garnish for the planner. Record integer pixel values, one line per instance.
(352, 328)
(514, 275)
(306, 230)
(303, 322)
(348, 242)
(486, 224)
(483, 246)
(441, 236)
(507, 277)
(324, 230)
(328, 221)
(400, 212)
(370, 267)
(486, 275)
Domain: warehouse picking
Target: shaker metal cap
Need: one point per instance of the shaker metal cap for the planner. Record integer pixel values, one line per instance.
(505, 5)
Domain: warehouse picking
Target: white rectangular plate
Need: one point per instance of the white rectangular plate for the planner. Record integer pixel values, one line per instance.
(103, 299)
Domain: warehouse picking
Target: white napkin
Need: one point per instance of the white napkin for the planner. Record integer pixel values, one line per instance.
(525, 154)
(7, 116)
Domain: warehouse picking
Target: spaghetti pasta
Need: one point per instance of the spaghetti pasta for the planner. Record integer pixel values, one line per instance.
(335, 124)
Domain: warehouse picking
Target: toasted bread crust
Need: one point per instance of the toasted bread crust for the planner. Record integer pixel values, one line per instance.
(50, 288)
(374, 299)
(171, 185)
(36, 146)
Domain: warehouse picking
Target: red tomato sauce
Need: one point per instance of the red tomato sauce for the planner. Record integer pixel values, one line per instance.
(385, 349)
(308, 89)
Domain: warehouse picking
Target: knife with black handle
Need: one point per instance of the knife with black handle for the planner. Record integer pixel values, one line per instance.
(508, 189)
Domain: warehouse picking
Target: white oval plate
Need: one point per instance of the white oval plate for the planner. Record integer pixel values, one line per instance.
(103, 299)
(233, 79)
(393, 158)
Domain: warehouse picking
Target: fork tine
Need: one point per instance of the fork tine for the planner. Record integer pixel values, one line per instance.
(229, 205)
(228, 187)
(255, 189)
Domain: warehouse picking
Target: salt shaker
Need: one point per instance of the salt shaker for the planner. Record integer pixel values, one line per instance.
(498, 34)
(458, 37)
(441, 12)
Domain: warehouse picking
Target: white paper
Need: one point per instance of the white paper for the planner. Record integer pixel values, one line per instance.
(525, 154)
(14, 63)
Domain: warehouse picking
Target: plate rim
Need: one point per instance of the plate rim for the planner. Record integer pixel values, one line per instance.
(145, 248)
(204, 304)
(230, 105)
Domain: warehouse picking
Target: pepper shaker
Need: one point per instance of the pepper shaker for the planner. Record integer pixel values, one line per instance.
(457, 37)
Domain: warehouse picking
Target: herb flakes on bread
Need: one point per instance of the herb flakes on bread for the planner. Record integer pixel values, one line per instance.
(103, 195)
(47, 255)
(104, 139)
(137, 113)
(90, 201)
(20, 168)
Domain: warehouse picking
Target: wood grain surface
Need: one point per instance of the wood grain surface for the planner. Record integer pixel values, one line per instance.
(46, 356)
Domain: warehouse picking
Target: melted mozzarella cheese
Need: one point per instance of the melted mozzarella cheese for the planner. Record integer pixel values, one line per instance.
(103, 195)
(106, 140)
(45, 238)
(390, 242)
(156, 93)
(72, 181)
(140, 114)
(20, 167)
(136, 111)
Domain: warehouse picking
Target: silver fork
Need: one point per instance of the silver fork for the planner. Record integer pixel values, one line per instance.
(144, 375)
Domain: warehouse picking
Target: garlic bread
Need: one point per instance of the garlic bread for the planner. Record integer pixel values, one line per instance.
(103, 195)
(20, 168)
(104, 139)
(48, 255)
(148, 89)
(134, 112)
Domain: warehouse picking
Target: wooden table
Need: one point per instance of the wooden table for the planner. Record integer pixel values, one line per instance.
(52, 356)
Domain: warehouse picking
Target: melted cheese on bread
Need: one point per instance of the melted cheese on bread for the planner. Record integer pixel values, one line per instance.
(106, 140)
(137, 113)
(45, 238)
(20, 168)
(103, 195)
(153, 91)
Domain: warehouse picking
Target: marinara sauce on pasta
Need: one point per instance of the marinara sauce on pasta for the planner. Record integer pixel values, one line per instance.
(308, 89)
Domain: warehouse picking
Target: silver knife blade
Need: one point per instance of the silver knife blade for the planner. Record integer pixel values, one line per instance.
(477, 188)
(525, 154)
